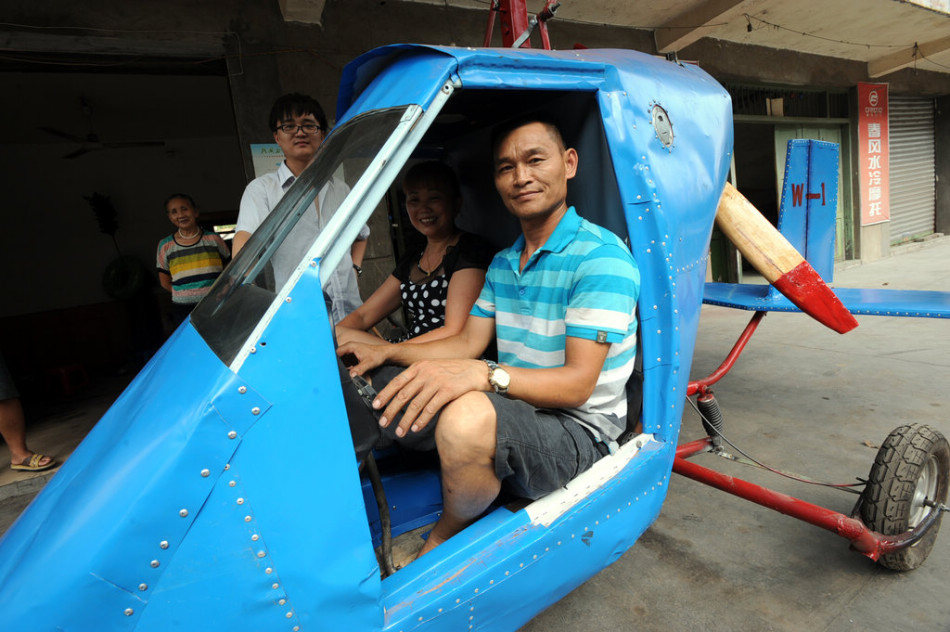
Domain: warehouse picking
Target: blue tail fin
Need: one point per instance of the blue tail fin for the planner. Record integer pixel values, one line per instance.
(809, 202)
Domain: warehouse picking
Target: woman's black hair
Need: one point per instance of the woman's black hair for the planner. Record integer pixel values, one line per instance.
(184, 196)
(433, 172)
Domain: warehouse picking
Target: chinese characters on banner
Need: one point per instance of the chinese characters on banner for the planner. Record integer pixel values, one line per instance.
(873, 157)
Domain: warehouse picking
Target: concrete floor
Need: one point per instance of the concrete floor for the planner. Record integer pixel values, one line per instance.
(801, 398)
(805, 399)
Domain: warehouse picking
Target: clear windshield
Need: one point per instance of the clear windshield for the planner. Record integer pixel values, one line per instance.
(241, 295)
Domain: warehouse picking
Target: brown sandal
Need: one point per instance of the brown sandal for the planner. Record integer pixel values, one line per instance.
(32, 463)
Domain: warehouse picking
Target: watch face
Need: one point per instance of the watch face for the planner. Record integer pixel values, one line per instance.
(501, 378)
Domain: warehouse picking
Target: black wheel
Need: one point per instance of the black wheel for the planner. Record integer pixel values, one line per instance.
(910, 472)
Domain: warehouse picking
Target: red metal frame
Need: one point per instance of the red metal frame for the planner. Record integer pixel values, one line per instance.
(863, 539)
(515, 21)
(543, 16)
(492, 10)
(701, 386)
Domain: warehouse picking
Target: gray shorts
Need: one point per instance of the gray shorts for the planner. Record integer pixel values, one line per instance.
(536, 450)
(7, 387)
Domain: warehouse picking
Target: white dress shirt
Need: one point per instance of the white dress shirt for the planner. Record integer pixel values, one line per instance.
(262, 195)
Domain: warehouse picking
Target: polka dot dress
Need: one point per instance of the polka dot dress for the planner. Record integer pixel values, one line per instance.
(424, 294)
(425, 303)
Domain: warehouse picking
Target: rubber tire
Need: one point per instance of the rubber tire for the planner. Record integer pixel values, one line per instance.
(886, 501)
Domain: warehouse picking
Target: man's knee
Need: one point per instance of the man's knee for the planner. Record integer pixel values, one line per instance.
(466, 429)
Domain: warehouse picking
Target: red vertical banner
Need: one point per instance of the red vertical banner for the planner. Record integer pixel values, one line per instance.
(873, 155)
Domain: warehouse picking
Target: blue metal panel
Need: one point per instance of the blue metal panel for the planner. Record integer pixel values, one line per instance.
(310, 513)
(101, 519)
(507, 569)
(413, 75)
(806, 217)
(128, 519)
(793, 212)
(415, 499)
(822, 200)
(378, 78)
(216, 579)
(669, 216)
(865, 302)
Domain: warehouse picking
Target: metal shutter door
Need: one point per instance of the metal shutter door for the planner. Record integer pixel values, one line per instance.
(912, 167)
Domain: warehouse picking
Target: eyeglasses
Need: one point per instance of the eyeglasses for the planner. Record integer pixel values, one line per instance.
(291, 128)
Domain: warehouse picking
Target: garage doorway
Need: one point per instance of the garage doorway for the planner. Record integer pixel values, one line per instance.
(134, 138)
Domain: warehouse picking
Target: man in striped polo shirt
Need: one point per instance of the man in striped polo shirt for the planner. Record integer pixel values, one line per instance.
(560, 302)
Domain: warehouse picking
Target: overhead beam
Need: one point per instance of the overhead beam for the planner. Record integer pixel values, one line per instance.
(184, 46)
(695, 23)
(906, 57)
(305, 11)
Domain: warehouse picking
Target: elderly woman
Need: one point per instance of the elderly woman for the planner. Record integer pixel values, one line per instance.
(190, 259)
(438, 284)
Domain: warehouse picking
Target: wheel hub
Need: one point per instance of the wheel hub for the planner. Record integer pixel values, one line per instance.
(925, 490)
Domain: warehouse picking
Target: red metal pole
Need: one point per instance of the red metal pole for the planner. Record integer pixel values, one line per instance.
(700, 386)
(543, 16)
(693, 448)
(545, 38)
(492, 10)
(514, 21)
(865, 541)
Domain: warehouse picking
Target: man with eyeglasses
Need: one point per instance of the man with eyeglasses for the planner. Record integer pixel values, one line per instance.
(299, 127)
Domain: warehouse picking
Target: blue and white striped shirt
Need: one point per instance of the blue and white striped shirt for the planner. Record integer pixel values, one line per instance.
(583, 282)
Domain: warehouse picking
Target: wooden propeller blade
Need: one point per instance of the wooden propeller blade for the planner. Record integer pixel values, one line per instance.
(778, 261)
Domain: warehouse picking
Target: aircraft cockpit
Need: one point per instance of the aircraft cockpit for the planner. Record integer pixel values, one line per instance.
(459, 136)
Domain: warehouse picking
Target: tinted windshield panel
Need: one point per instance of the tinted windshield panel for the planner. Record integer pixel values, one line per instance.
(241, 295)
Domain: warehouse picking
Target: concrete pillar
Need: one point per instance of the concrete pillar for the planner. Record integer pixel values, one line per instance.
(875, 241)
(255, 84)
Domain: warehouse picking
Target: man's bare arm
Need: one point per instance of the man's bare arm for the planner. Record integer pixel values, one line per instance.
(468, 343)
(240, 238)
(358, 251)
(425, 387)
(568, 386)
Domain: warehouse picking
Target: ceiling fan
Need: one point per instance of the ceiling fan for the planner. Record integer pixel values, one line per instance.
(91, 142)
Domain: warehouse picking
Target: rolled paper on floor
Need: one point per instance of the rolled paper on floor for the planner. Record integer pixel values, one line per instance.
(778, 261)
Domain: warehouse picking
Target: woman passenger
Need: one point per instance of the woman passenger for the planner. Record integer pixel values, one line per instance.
(438, 284)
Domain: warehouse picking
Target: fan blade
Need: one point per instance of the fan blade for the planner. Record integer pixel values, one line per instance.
(62, 134)
(134, 143)
(82, 150)
(778, 261)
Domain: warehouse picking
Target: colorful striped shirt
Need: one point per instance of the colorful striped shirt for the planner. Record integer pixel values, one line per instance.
(194, 268)
(583, 282)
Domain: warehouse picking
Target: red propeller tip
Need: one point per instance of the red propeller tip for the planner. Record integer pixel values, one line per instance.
(804, 287)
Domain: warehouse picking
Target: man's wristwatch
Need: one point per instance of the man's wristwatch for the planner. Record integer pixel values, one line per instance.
(359, 270)
(499, 378)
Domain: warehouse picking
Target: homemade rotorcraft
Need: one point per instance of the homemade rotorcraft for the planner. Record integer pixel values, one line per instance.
(221, 491)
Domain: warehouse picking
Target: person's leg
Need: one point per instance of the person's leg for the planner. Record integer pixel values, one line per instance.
(12, 422)
(13, 430)
(465, 436)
